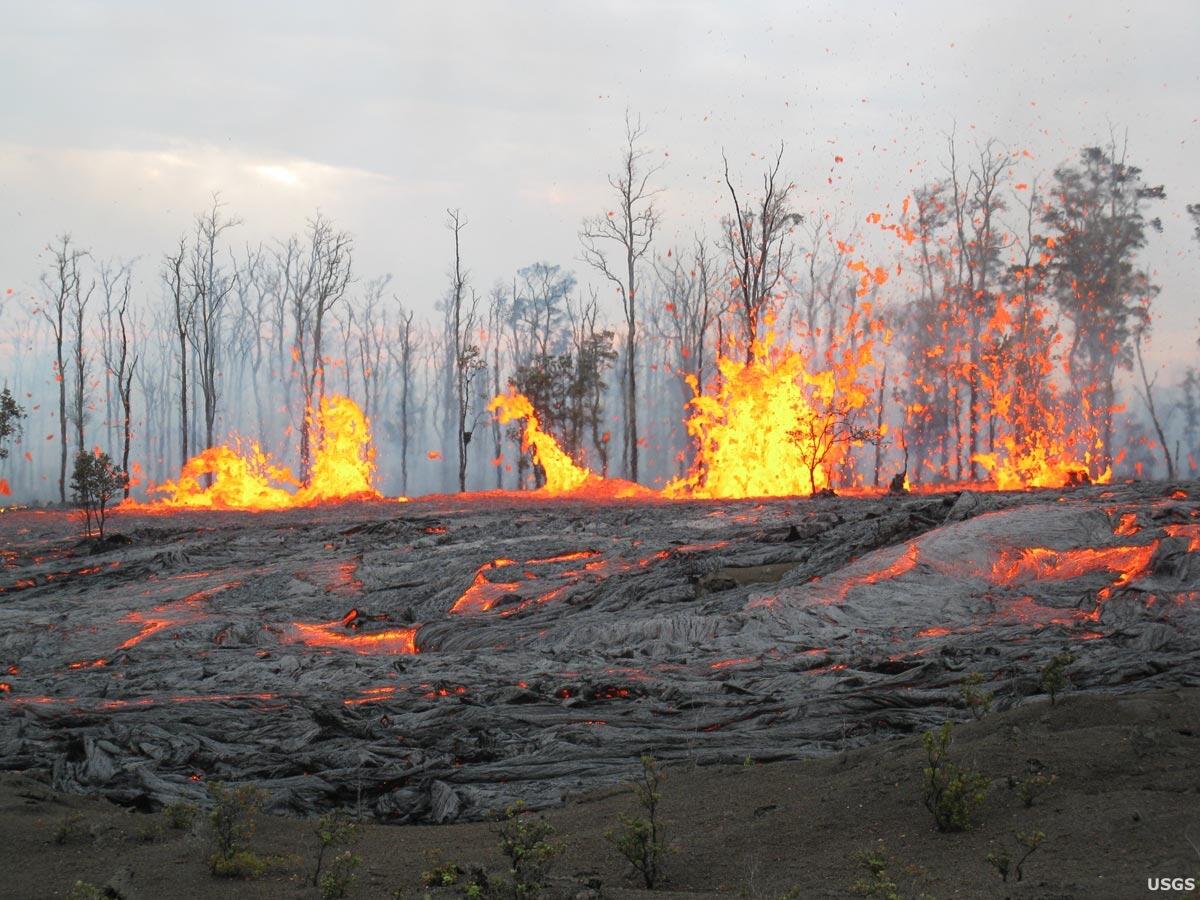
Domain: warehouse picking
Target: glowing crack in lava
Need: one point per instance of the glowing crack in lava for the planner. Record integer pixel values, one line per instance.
(343, 468)
(483, 594)
(385, 642)
(771, 426)
(1032, 564)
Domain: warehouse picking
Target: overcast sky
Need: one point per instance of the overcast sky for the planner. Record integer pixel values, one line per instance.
(121, 118)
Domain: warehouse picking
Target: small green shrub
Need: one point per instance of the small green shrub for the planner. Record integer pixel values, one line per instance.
(1033, 786)
(85, 890)
(641, 839)
(975, 698)
(238, 864)
(341, 875)
(95, 481)
(440, 873)
(231, 826)
(180, 816)
(877, 881)
(70, 828)
(148, 830)
(527, 841)
(1054, 675)
(335, 832)
(1002, 861)
(952, 794)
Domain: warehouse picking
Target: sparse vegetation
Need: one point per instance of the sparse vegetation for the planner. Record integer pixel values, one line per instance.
(85, 890)
(440, 873)
(340, 875)
(527, 841)
(1033, 786)
(148, 830)
(231, 826)
(952, 794)
(878, 881)
(1002, 861)
(180, 815)
(336, 833)
(1054, 675)
(94, 482)
(641, 839)
(974, 697)
(70, 828)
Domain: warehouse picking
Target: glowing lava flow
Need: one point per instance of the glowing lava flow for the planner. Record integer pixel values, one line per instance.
(562, 475)
(1014, 567)
(343, 467)
(386, 642)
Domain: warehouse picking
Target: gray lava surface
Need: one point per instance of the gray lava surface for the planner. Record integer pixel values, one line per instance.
(436, 660)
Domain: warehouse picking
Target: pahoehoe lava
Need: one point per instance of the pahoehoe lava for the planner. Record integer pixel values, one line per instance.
(439, 659)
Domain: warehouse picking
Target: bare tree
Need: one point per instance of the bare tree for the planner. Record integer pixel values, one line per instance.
(1139, 337)
(126, 363)
(630, 229)
(61, 284)
(468, 360)
(316, 278)
(211, 284)
(183, 306)
(81, 358)
(758, 243)
(404, 348)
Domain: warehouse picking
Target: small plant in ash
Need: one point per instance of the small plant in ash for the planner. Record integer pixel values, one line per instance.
(1054, 675)
(94, 482)
(180, 815)
(1002, 861)
(85, 890)
(336, 833)
(1033, 786)
(974, 697)
(877, 881)
(641, 839)
(71, 827)
(231, 825)
(527, 841)
(440, 873)
(952, 794)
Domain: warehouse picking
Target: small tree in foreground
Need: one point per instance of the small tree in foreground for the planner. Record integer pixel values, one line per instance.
(1054, 675)
(952, 794)
(336, 833)
(1002, 861)
(11, 414)
(94, 482)
(817, 432)
(231, 826)
(529, 845)
(641, 839)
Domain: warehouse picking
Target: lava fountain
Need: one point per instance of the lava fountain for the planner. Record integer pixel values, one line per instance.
(343, 469)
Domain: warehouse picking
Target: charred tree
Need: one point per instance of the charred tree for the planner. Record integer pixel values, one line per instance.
(630, 230)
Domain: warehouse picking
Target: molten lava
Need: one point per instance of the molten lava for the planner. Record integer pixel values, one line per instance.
(773, 427)
(562, 474)
(343, 468)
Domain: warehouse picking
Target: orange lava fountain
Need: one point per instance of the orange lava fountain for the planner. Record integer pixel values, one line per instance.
(343, 468)
(562, 474)
(771, 427)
